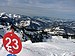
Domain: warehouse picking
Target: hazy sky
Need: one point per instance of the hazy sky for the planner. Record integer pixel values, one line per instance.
(51, 8)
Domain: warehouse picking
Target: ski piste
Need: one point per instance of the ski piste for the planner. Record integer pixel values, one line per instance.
(45, 49)
(52, 48)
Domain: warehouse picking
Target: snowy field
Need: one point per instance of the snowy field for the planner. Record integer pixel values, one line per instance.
(55, 47)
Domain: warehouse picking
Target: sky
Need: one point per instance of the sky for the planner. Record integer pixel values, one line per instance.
(50, 8)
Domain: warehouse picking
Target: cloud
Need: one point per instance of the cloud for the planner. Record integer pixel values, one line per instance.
(60, 8)
(58, 5)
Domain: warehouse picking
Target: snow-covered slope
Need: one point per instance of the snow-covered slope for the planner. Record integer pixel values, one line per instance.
(53, 48)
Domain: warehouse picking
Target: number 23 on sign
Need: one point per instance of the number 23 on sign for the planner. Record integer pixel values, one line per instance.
(12, 43)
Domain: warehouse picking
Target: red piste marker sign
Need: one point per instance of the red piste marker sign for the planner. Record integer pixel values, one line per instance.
(12, 43)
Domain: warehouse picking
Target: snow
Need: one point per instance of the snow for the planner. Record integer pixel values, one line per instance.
(56, 47)
(19, 34)
(1, 26)
(35, 22)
